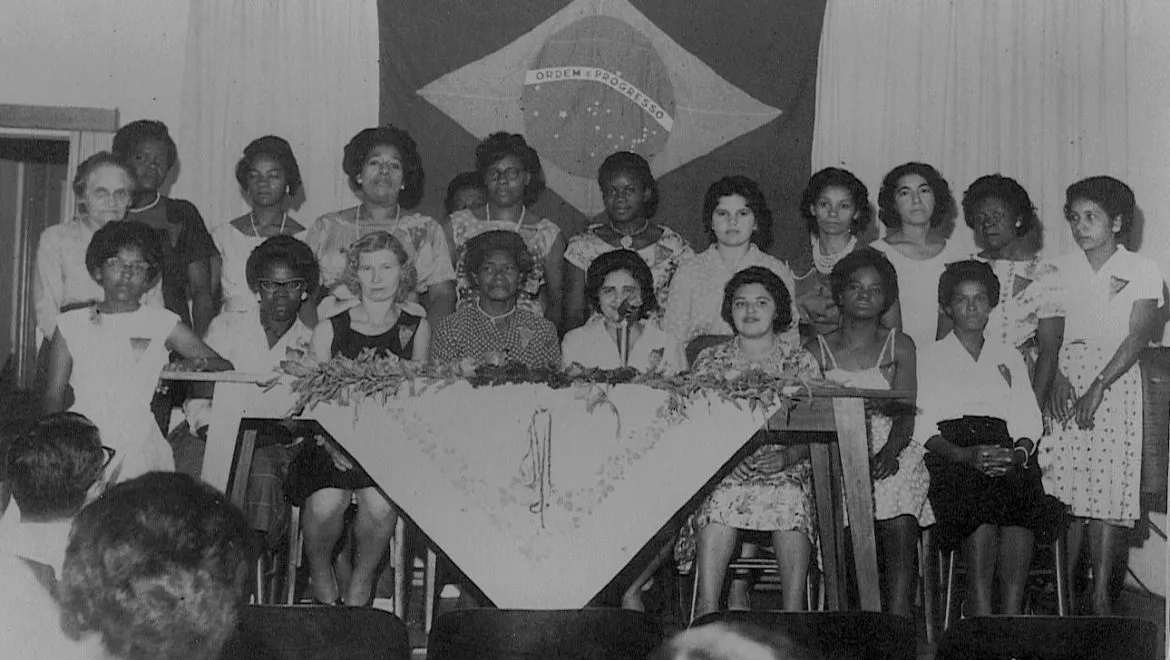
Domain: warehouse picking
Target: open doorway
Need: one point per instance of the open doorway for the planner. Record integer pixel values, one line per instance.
(33, 187)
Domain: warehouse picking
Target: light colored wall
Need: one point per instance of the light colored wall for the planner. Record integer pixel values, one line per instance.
(124, 54)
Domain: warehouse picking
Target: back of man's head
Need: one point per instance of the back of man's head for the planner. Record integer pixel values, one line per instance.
(158, 567)
(53, 465)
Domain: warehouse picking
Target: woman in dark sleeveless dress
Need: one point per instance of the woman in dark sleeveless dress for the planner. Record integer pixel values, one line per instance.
(380, 321)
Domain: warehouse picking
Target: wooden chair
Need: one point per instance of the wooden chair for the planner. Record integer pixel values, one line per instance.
(764, 571)
(1059, 571)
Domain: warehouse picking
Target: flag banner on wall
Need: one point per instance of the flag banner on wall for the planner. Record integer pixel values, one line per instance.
(701, 89)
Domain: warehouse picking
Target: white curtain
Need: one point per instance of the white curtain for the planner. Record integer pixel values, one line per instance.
(1034, 90)
(82, 145)
(302, 69)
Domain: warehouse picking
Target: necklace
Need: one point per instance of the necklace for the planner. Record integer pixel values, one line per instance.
(523, 212)
(627, 240)
(357, 220)
(824, 262)
(256, 232)
(157, 197)
(495, 318)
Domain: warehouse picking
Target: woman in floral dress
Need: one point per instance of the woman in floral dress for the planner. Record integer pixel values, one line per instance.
(771, 490)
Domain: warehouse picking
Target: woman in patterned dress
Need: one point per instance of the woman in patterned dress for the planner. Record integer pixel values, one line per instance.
(771, 490)
(863, 353)
(914, 204)
(1029, 314)
(512, 174)
(269, 177)
(386, 172)
(113, 352)
(630, 195)
(836, 209)
(739, 223)
(1111, 314)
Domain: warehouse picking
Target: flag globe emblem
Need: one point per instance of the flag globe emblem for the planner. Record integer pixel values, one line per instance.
(597, 86)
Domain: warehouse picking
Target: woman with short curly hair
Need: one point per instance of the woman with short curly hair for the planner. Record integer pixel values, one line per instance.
(386, 173)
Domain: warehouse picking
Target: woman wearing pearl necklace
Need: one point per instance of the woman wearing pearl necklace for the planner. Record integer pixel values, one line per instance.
(630, 195)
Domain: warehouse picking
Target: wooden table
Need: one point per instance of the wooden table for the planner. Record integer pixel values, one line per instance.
(832, 411)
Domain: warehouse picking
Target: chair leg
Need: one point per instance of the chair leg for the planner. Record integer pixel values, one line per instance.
(400, 569)
(261, 568)
(928, 584)
(295, 546)
(1059, 559)
(694, 595)
(430, 586)
(949, 616)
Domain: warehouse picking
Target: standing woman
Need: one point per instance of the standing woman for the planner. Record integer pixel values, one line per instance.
(269, 177)
(514, 179)
(1111, 314)
(1030, 313)
(865, 354)
(630, 195)
(104, 185)
(386, 173)
(738, 221)
(836, 209)
(914, 202)
(113, 352)
(188, 248)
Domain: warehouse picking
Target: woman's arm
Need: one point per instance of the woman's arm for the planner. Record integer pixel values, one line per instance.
(202, 295)
(199, 356)
(574, 297)
(554, 281)
(1049, 338)
(321, 342)
(422, 342)
(48, 284)
(885, 461)
(60, 368)
(1143, 319)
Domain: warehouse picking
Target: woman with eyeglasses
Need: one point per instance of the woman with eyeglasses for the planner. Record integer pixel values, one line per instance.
(113, 352)
(514, 179)
(385, 171)
(630, 195)
(269, 177)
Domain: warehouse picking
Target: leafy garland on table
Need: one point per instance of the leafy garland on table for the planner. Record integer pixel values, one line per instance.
(343, 380)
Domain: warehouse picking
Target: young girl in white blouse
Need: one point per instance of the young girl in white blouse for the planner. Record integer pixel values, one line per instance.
(1111, 314)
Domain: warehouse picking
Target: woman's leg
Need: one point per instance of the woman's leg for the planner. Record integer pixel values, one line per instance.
(794, 554)
(1015, 558)
(1103, 542)
(981, 555)
(737, 591)
(1074, 538)
(322, 519)
(373, 526)
(714, 544)
(898, 544)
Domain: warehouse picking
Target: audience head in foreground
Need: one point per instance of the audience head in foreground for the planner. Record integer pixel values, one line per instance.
(157, 567)
(732, 641)
(56, 466)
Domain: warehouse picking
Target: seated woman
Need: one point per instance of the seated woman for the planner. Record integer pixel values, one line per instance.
(771, 490)
(383, 275)
(863, 353)
(113, 352)
(282, 275)
(981, 432)
(495, 329)
(617, 278)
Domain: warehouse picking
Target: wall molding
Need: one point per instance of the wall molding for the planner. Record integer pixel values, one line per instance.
(58, 118)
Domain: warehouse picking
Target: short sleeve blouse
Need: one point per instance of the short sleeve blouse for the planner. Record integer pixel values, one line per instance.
(1098, 304)
(539, 238)
(663, 256)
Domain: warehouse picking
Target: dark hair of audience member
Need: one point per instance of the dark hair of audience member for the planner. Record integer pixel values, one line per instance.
(500, 145)
(1112, 195)
(52, 466)
(616, 260)
(498, 240)
(771, 283)
(835, 177)
(462, 181)
(293, 253)
(280, 151)
(127, 139)
(358, 149)
(944, 201)
(968, 270)
(628, 162)
(158, 567)
(114, 236)
(1008, 191)
(862, 258)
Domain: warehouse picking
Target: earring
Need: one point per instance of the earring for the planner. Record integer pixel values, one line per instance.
(304, 296)
(257, 297)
